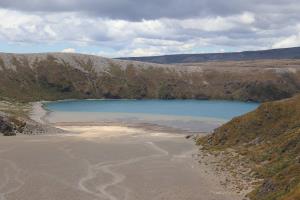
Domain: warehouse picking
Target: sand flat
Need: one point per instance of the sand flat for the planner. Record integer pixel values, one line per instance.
(185, 123)
(106, 163)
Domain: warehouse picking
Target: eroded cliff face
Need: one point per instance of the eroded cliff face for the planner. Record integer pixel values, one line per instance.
(269, 138)
(32, 77)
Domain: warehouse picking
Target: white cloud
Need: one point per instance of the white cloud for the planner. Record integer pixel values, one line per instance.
(118, 37)
(15, 19)
(246, 18)
(291, 41)
(218, 23)
(208, 24)
(69, 50)
(145, 52)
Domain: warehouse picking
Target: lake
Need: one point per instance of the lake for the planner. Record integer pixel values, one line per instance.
(191, 115)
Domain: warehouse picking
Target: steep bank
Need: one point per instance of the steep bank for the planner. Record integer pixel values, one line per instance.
(34, 77)
(269, 139)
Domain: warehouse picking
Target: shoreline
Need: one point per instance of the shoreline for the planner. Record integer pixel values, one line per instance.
(39, 114)
(42, 115)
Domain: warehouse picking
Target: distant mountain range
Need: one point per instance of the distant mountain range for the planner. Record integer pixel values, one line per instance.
(285, 53)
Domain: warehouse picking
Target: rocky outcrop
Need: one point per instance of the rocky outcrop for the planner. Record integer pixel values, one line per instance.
(11, 125)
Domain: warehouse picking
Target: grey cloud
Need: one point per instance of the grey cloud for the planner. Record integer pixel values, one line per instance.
(154, 9)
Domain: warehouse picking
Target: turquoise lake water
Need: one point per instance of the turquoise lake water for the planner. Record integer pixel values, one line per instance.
(225, 110)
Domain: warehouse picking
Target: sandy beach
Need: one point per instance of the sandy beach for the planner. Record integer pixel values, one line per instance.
(106, 162)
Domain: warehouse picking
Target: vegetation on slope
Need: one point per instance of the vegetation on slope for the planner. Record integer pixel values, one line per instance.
(10, 114)
(52, 78)
(14, 108)
(269, 138)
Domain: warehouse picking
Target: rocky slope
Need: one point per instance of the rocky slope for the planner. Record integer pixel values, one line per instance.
(286, 53)
(269, 139)
(32, 77)
(12, 125)
(6, 126)
(14, 120)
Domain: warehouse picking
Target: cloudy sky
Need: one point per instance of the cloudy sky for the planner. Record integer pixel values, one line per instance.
(116, 28)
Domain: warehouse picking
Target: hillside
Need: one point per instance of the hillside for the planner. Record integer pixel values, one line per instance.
(286, 53)
(269, 138)
(52, 76)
